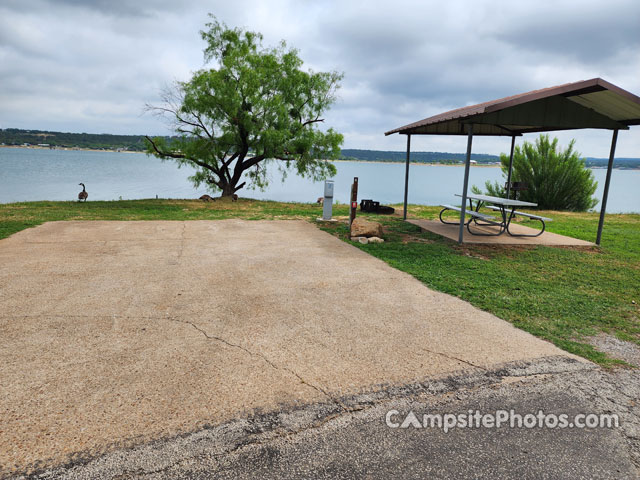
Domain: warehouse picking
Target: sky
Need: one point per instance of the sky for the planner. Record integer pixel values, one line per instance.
(91, 66)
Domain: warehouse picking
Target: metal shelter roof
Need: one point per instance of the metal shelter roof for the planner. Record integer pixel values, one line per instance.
(593, 103)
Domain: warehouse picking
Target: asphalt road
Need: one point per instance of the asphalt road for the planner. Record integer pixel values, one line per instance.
(353, 440)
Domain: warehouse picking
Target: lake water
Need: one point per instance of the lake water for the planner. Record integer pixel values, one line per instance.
(38, 174)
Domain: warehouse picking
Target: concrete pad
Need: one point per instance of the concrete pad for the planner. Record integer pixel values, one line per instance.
(547, 238)
(115, 333)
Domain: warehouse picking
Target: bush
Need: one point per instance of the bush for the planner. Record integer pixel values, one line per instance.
(556, 180)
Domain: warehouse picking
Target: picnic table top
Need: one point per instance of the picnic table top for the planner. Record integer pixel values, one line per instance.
(506, 202)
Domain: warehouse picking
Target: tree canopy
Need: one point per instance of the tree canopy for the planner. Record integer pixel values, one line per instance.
(255, 106)
(556, 179)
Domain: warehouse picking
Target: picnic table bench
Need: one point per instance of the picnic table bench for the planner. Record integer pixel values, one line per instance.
(540, 218)
(471, 213)
(505, 206)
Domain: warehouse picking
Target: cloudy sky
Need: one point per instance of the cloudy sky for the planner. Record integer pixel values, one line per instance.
(91, 65)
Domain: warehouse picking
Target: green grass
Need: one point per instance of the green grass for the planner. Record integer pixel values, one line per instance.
(18, 216)
(560, 294)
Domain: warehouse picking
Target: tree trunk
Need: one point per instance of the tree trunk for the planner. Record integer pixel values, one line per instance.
(228, 186)
(228, 190)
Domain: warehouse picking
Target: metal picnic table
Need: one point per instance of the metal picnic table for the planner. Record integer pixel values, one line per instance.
(506, 207)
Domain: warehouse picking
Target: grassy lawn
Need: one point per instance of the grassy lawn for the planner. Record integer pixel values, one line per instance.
(559, 294)
(18, 216)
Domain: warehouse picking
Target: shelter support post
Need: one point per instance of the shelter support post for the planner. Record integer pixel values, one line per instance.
(465, 186)
(406, 177)
(513, 144)
(605, 194)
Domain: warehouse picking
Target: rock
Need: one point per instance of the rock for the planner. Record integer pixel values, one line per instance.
(365, 228)
(376, 240)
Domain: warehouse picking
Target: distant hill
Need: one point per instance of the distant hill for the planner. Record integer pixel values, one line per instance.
(418, 157)
(622, 162)
(102, 141)
(453, 158)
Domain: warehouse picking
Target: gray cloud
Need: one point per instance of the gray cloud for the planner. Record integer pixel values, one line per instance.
(91, 65)
(589, 34)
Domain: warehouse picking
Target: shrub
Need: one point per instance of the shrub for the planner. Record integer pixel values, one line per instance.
(556, 180)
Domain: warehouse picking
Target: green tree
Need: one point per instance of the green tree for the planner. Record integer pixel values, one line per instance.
(254, 107)
(556, 179)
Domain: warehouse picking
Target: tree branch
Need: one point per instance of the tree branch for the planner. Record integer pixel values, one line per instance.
(203, 126)
(254, 161)
(175, 112)
(161, 153)
(181, 155)
(309, 122)
(226, 163)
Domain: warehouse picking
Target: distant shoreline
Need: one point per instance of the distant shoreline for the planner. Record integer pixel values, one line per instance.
(428, 164)
(69, 149)
(78, 149)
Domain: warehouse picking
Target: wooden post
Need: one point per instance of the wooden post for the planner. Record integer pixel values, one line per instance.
(354, 202)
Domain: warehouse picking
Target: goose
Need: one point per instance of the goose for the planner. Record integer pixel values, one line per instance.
(83, 194)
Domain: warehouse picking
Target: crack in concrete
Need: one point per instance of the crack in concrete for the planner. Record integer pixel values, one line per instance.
(265, 359)
(451, 357)
(207, 335)
(222, 340)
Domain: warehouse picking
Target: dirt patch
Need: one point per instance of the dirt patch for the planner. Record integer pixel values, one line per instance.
(614, 347)
(469, 253)
(406, 238)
